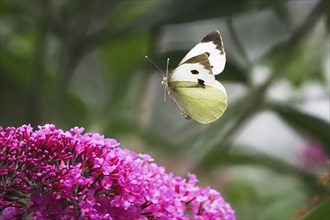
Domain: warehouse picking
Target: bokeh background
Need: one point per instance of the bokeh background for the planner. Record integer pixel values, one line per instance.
(82, 63)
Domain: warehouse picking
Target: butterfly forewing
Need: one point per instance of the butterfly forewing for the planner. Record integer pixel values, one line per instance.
(194, 69)
(212, 46)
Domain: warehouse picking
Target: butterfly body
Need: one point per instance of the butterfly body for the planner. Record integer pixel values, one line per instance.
(193, 86)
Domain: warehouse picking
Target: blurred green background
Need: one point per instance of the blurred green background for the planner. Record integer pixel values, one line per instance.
(81, 63)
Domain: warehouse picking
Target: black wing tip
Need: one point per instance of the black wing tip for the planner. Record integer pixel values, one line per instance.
(214, 37)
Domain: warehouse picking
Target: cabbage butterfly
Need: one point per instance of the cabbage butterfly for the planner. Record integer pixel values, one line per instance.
(192, 84)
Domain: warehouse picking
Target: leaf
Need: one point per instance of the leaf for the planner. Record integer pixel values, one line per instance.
(282, 11)
(240, 194)
(14, 99)
(76, 111)
(305, 63)
(121, 58)
(221, 158)
(15, 67)
(17, 51)
(320, 212)
(233, 72)
(122, 55)
(202, 10)
(327, 13)
(125, 128)
(307, 124)
(132, 10)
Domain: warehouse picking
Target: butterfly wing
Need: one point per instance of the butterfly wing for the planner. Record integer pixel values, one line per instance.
(212, 45)
(204, 104)
(193, 70)
(195, 90)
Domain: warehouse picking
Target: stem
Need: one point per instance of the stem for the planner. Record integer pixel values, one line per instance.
(238, 43)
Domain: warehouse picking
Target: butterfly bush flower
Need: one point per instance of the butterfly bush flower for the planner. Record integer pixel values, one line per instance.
(53, 174)
(313, 157)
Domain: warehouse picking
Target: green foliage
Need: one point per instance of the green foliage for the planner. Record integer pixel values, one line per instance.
(234, 73)
(275, 203)
(305, 64)
(72, 116)
(115, 53)
(81, 63)
(321, 212)
(309, 125)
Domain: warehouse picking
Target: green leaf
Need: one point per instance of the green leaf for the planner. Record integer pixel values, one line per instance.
(15, 67)
(282, 11)
(233, 72)
(150, 139)
(327, 13)
(14, 99)
(221, 158)
(76, 111)
(304, 63)
(133, 10)
(320, 212)
(240, 194)
(122, 55)
(17, 52)
(202, 10)
(307, 124)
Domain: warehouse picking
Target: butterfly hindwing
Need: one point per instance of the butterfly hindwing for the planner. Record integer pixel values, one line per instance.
(204, 104)
(212, 46)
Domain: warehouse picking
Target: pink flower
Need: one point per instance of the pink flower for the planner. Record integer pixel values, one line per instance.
(313, 156)
(49, 173)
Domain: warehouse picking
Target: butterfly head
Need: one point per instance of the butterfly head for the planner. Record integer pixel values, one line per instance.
(164, 81)
(165, 76)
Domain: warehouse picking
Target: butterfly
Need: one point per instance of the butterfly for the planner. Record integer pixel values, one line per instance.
(192, 84)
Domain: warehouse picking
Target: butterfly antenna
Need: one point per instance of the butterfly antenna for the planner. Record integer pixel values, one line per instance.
(164, 75)
(155, 65)
(167, 64)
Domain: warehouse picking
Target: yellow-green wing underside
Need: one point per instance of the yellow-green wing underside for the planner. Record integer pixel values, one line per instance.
(202, 103)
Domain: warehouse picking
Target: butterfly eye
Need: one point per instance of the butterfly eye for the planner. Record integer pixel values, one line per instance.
(207, 53)
(194, 71)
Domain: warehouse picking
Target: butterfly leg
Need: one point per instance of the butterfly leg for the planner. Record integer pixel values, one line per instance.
(185, 115)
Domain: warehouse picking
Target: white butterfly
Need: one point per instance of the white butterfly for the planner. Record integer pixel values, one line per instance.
(192, 84)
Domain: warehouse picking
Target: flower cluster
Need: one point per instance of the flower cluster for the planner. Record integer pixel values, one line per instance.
(53, 174)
